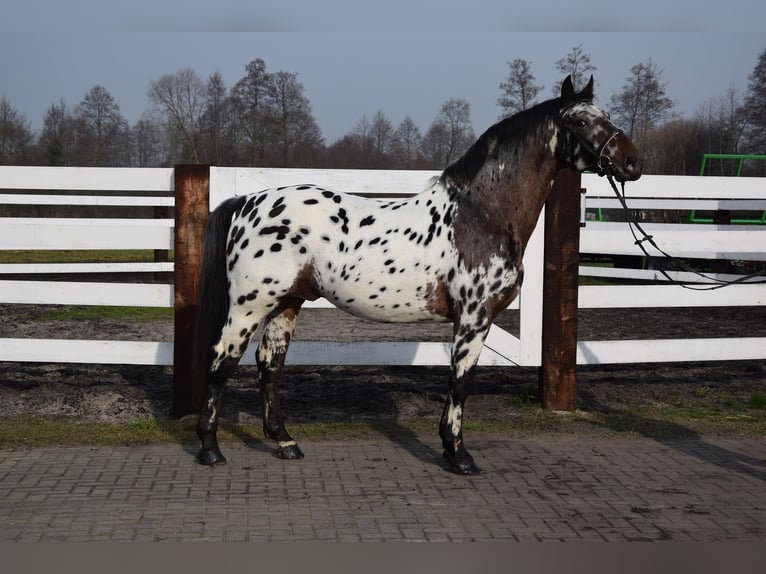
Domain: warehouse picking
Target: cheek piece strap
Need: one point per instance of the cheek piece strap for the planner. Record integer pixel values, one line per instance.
(603, 161)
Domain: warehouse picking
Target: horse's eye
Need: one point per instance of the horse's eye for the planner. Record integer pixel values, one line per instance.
(581, 123)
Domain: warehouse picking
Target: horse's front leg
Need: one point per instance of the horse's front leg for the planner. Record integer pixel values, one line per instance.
(470, 333)
(271, 359)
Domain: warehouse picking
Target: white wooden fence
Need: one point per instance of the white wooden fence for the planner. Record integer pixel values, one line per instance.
(731, 242)
(56, 186)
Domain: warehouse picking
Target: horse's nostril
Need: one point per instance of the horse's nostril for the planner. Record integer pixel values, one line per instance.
(631, 163)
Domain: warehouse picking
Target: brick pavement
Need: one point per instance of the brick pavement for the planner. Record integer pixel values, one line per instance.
(546, 488)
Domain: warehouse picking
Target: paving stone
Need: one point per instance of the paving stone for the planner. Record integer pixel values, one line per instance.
(546, 488)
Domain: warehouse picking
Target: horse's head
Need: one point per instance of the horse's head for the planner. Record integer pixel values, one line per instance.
(591, 141)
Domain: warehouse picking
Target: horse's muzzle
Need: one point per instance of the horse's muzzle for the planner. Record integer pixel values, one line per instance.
(630, 169)
(626, 163)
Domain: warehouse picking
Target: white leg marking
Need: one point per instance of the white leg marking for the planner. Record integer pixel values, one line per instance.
(213, 410)
(455, 419)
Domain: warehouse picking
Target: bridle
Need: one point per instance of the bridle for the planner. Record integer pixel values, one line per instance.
(604, 163)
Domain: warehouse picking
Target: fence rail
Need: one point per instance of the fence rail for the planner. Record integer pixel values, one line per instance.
(64, 186)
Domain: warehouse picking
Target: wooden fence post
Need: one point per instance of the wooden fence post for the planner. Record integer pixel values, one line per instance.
(192, 189)
(558, 371)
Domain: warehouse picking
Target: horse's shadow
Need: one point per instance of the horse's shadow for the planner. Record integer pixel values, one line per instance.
(191, 446)
(320, 396)
(152, 386)
(675, 436)
(409, 441)
(367, 395)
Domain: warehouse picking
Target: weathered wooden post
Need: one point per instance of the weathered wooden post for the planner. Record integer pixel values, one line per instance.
(558, 371)
(161, 255)
(192, 189)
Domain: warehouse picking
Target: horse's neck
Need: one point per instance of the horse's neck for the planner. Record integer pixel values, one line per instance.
(515, 190)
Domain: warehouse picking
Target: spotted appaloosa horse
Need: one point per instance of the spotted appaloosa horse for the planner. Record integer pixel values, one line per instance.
(450, 253)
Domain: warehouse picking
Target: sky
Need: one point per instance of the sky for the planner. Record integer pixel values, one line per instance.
(402, 57)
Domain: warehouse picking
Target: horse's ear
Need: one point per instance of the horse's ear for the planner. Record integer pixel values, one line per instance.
(587, 91)
(567, 90)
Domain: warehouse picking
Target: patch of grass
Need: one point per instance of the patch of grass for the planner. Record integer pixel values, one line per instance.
(21, 431)
(727, 400)
(665, 422)
(527, 396)
(333, 429)
(80, 256)
(757, 400)
(83, 312)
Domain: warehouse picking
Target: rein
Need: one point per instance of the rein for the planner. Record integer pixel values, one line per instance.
(710, 283)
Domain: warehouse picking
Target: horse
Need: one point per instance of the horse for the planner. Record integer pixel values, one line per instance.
(451, 253)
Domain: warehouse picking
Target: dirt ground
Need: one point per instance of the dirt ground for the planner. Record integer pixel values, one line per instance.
(125, 393)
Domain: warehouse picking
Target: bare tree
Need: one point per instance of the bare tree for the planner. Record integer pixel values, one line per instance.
(295, 131)
(181, 97)
(672, 148)
(576, 64)
(518, 90)
(249, 96)
(381, 134)
(100, 130)
(215, 120)
(345, 153)
(57, 135)
(734, 118)
(150, 146)
(434, 146)
(405, 144)
(360, 143)
(15, 135)
(755, 106)
(643, 102)
(720, 124)
(455, 117)
(676, 147)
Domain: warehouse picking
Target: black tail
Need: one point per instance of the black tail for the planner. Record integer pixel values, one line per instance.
(212, 293)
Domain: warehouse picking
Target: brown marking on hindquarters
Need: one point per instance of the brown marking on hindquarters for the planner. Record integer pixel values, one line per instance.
(438, 300)
(304, 287)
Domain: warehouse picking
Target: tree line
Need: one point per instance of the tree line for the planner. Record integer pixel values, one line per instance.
(265, 119)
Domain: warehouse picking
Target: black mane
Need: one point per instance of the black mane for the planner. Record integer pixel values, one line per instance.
(515, 129)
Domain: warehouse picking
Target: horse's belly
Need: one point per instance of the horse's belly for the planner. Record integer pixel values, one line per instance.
(394, 313)
(400, 297)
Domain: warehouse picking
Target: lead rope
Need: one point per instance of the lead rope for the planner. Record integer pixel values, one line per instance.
(711, 283)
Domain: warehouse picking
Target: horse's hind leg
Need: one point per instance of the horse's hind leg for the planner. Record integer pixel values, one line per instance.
(223, 359)
(270, 357)
(207, 423)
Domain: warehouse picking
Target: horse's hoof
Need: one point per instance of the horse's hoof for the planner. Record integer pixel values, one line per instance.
(466, 468)
(210, 457)
(461, 463)
(289, 452)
